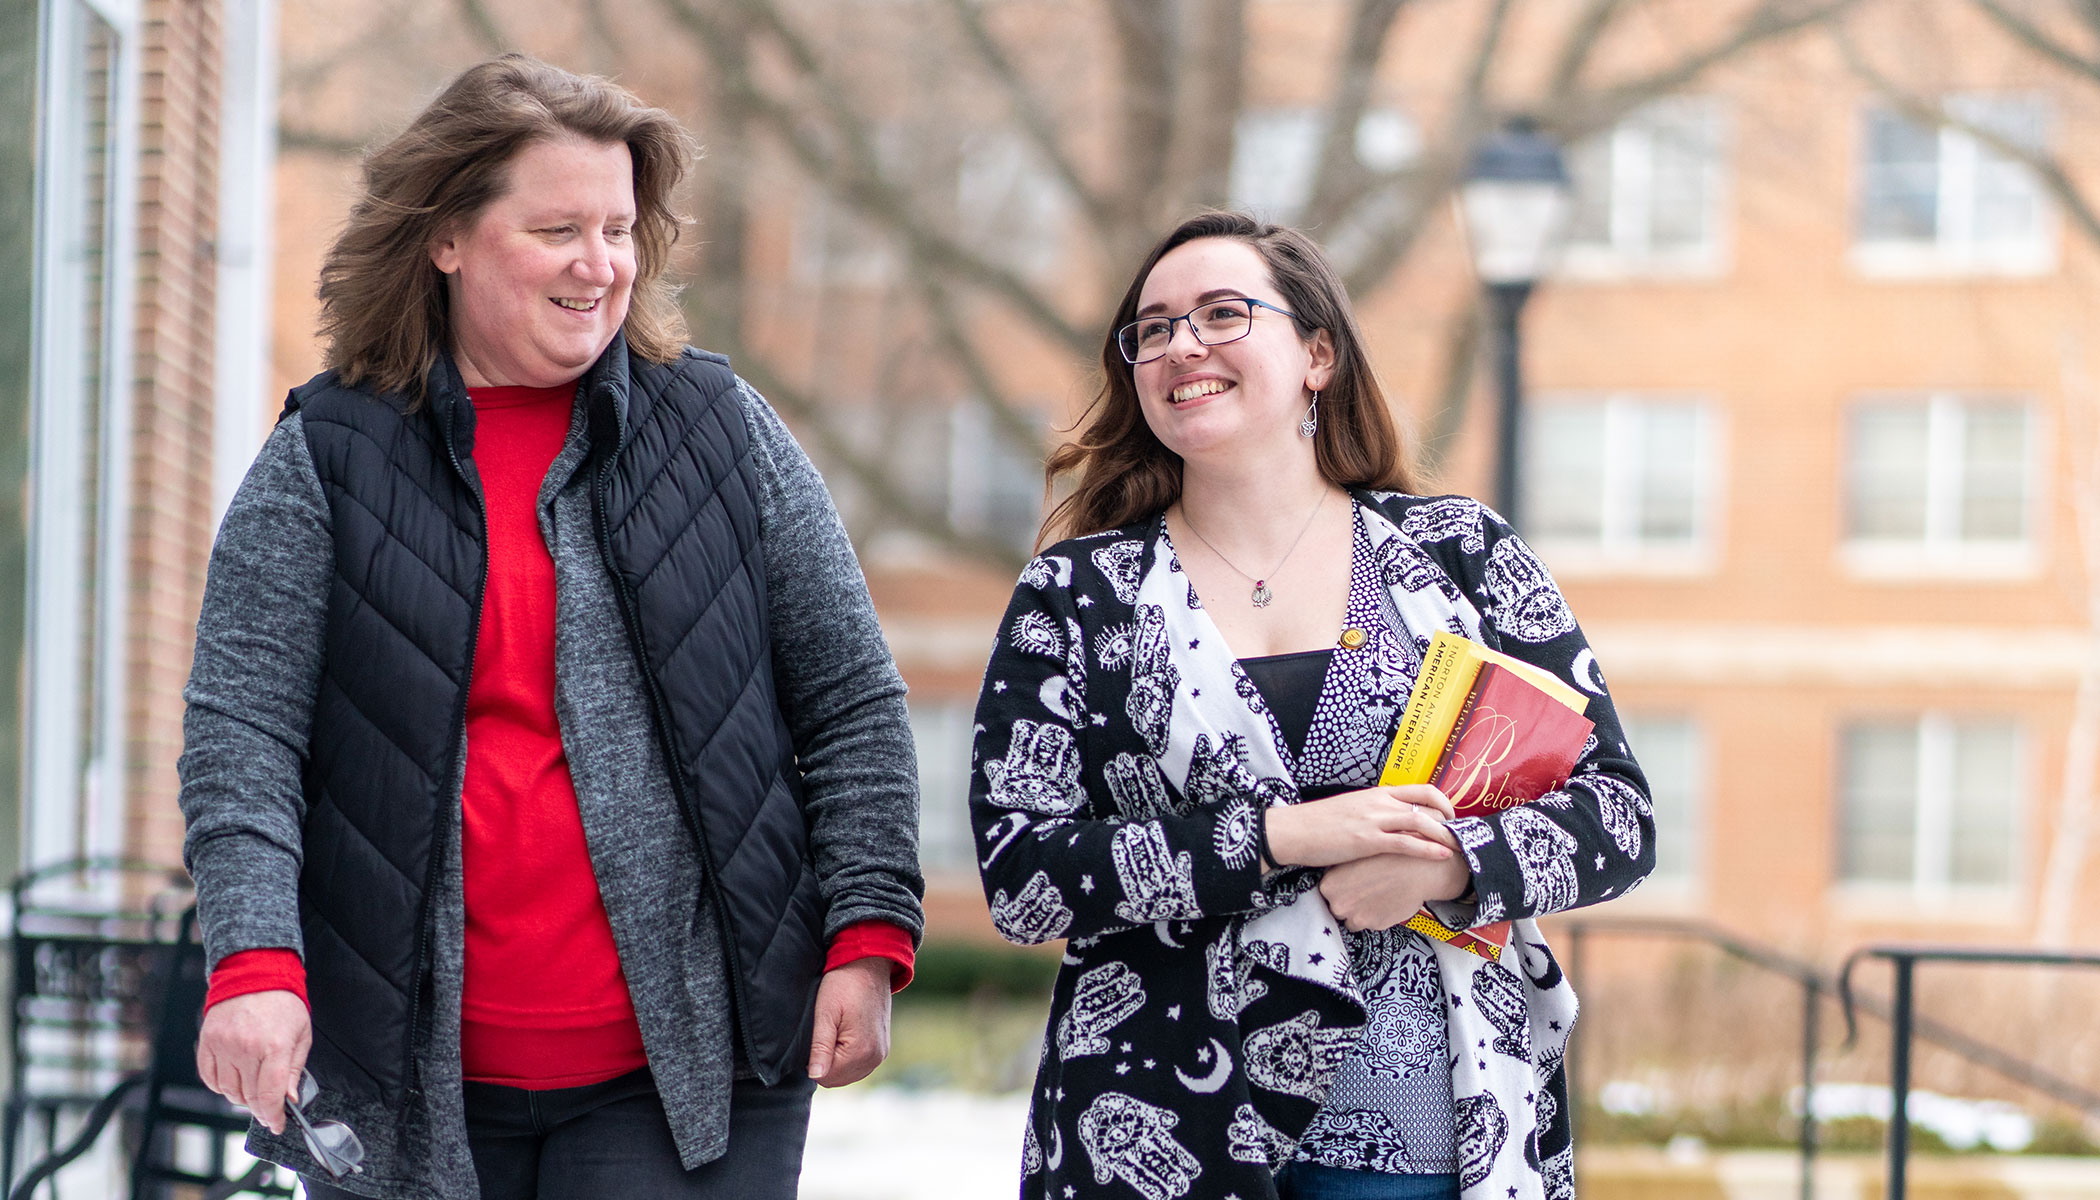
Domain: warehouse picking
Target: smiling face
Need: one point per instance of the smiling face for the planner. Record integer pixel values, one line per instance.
(540, 279)
(1244, 395)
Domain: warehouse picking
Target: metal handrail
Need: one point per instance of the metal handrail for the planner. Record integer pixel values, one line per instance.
(1815, 982)
(1905, 959)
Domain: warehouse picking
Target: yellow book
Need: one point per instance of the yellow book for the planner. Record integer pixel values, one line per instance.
(1433, 710)
(1439, 696)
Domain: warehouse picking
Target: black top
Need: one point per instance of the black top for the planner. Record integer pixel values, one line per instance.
(1291, 684)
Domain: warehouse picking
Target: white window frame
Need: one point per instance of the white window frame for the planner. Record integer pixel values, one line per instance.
(1930, 891)
(1689, 886)
(947, 846)
(247, 169)
(1629, 252)
(1940, 553)
(1619, 548)
(1953, 249)
(1277, 185)
(69, 810)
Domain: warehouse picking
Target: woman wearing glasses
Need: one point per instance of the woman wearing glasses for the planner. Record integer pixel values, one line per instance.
(549, 785)
(1180, 730)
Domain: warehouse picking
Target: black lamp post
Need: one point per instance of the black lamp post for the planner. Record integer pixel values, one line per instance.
(1514, 200)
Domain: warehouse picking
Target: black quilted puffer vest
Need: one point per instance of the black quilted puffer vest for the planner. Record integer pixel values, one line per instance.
(674, 499)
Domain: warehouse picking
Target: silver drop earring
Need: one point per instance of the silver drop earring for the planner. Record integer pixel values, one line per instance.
(1311, 424)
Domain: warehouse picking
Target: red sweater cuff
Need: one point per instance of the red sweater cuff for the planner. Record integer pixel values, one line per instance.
(251, 971)
(874, 939)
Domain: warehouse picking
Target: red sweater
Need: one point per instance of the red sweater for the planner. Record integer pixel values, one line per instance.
(531, 897)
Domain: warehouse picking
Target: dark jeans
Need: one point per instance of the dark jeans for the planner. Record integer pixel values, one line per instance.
(1311, 1181)
(611, 1140)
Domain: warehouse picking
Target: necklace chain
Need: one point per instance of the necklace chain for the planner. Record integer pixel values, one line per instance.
(1262, 594)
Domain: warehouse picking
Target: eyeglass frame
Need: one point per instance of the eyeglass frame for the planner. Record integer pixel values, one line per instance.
(352, 1155)
(1190, 318)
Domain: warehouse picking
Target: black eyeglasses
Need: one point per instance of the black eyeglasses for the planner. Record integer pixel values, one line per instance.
(1214, 324)
(332, 1143)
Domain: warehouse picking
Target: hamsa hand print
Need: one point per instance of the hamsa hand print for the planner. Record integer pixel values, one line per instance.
(1229, 985)
(1101, 999)
(1546, 858)
(1482, 1129)
(1153, 678)
(1498, 997)
(1128, 1139)
(1159, 883)
(1047, 570)
(1036, 914)
(1297, 1057)
(1250, 1139)
(1119, 564)
(1137, 787)
(1621, 804)
(1528, 606)
(1452, 517)
(1040, 772)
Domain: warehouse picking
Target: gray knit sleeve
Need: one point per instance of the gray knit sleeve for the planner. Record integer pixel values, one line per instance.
(839, 690)
(250, 701)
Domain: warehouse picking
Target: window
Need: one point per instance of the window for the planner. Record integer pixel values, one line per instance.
(1649, 193)
(957, 460)
(79, 436)
(1619, 481)
(941, 731)
(1275, 152)
(834, 246)
(1940, 480)
(1936, 200)
(1931, 804)
(1672, 754)
(1009, 206)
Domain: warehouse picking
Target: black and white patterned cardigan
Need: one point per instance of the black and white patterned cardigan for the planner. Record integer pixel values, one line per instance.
(1201, 1010)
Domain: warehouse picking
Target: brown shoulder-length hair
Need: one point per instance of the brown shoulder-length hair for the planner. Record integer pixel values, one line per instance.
(1122, 472)
(384, 303)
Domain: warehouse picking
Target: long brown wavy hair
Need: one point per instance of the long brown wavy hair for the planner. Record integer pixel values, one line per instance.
(383, 302)
(1122, 471)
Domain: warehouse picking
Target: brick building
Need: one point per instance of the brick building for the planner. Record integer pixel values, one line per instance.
(1811, 411)
(137, 151)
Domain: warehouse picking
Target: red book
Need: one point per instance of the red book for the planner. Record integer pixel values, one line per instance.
(1512, 744)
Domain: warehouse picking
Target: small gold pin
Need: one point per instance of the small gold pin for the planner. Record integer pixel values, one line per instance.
(1353, 638)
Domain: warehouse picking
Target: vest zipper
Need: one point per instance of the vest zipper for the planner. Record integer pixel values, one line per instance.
(630, 613)
(440, 832)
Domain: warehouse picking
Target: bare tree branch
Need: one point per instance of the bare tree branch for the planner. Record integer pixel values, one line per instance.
(949, 326)
(1769, 21)
(816, 423)
(1146, 65)
(860, 183)
(2045, 166)
(1461, 364)
(482, 24)
(600, 24)
(1339, 178)
(1583, 38)
(1029, 110)
(1209, 82)
(300, 137)
(2030, 35)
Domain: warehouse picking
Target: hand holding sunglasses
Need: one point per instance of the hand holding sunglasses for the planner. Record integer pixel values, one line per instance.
(333, 1144)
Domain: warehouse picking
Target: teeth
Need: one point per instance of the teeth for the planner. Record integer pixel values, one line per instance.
(576, 305)
(1202, 387)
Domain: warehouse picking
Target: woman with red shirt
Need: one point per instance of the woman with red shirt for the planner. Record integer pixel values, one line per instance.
(549, 785)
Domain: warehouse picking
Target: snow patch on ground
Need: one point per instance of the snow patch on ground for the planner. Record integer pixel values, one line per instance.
(880, 1143)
